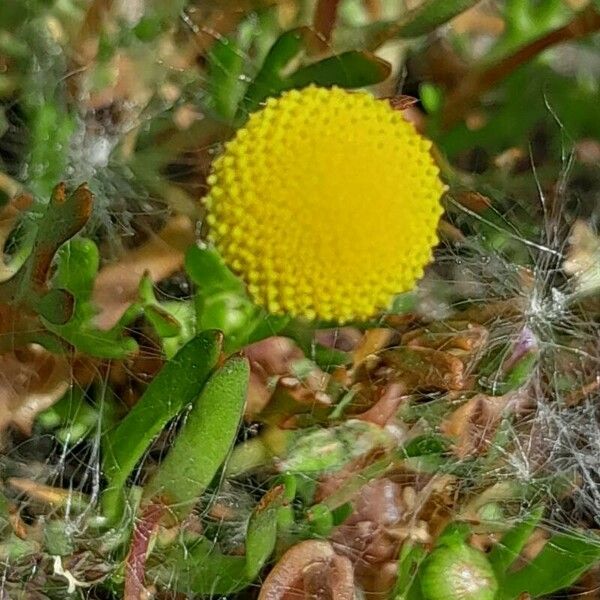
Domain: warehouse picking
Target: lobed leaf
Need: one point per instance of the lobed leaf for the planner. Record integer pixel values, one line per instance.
(64, 217)
(77, 267)
(221, 301)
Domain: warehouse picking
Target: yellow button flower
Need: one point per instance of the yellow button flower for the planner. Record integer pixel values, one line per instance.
(326, 203)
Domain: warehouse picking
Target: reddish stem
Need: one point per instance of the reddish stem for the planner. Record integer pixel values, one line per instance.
(135, 562)
(471, 88)
(324, 19)
(373, 8)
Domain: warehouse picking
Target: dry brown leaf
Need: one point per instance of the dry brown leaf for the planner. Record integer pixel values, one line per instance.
(474, 201)
(269, 359)
(386, 407)
(276, 395)
(331, 483)
(9, 215)
(412, 369)
(582, 260)
(367, 538)
(273, 356)
(479, 20)
(373, 7)
(585, 391)
(310, 569)
(341, 338)
(448, 336)
(449, 233)
(294, 399)
(31, 380)
(372, 341)
(587, 151)
(40, 492)
(473, 425)
(116, 286)
(489, 312)
(422, 369)
(510, 159)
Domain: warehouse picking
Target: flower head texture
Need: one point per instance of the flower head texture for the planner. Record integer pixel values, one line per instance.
(326, 203)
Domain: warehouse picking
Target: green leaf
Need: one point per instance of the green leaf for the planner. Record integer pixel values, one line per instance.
(507, 550)
(204, 441)
(520, 373)
(208, 271)
(454, 533)
(64, 216)
(425, 445)
(324, 450)
(341, 513)
(5, 513)
(270, 80)
(226, 63)
(4, 127)
(431, 96)
(175, 386)
(77, 265)
(185, 315)
(51, 131)
(222, 303)
(329, 358)
(267, 325)
(429, 15)
(507, 368)
(234, 314)
(562, 561)
(202, 569)
(56, 306)
(58, 540)
(353, 69)
(13, 548)
(320, 519)
(149, 28)
(262, 531)
(411, 557)
(165, 324)
(72, 414)
(13, 14)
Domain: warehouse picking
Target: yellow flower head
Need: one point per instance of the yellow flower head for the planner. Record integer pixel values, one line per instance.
(326, 203)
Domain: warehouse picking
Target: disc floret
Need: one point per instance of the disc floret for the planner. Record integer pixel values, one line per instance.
(326, 203)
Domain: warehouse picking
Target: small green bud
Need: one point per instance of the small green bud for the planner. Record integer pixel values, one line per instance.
(320, 519)
(326, 450)
(458, 572)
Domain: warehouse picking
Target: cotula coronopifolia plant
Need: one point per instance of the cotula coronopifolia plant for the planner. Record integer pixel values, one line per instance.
(326, 204)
